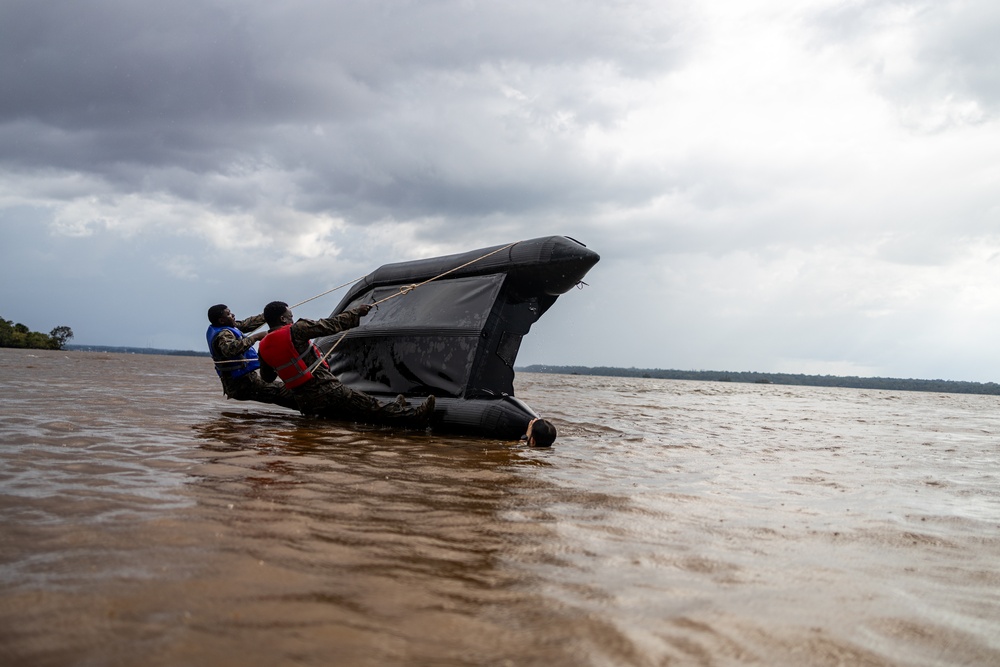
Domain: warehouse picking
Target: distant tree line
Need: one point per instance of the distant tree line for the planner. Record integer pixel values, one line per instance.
(18, 335)
(896, 384)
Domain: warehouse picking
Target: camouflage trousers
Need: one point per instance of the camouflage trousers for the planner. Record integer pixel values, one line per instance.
(333, 400)
(251, 387)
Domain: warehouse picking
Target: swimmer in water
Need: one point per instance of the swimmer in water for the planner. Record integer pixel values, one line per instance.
(541, 433)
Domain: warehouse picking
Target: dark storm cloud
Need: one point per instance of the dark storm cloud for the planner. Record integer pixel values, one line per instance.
(372, 109)
(98, 65)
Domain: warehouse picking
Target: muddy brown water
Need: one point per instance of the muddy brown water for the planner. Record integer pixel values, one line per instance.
(145, 520)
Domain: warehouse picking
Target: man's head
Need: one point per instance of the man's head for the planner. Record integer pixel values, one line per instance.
(219, 315)
(541, 433)
(277, 314)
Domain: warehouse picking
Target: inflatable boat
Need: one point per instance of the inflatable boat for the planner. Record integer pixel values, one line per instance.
(451, 327)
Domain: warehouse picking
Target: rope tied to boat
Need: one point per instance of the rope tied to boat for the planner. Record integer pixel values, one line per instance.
(406, 289)
(312, 298)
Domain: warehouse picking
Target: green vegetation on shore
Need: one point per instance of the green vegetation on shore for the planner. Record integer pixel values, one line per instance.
(18, 335)
(895, 384)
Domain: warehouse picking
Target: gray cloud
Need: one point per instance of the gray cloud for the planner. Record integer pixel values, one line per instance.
(935, 60)
(343, 97)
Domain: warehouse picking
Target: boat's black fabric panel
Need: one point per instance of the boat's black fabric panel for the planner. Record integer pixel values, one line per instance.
(422, 342)
(507, 347)
(459, 303)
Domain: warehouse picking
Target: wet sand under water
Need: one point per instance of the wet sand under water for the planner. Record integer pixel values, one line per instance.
(147, 520)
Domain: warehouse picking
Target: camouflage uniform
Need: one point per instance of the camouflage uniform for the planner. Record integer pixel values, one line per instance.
(324, 395)
(249, 387)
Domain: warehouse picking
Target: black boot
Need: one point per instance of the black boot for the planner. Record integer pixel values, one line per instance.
(425, 411)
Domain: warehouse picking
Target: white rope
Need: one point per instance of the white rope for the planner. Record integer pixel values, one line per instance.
(406, 289)
(312, 298)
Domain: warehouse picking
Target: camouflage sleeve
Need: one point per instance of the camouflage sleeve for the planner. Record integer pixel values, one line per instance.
(229, 346)
(251, 323)
(305, 330)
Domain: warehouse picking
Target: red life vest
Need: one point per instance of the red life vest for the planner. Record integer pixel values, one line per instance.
(278, 351)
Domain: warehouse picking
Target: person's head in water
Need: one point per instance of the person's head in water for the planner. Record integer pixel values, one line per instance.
(277, 314)
(220, 315)
(541, 433)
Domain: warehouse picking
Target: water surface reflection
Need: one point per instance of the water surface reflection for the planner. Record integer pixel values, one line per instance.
(147, 520)
(438, 543)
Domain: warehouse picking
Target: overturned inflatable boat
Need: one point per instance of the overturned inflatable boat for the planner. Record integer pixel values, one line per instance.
(456, 335)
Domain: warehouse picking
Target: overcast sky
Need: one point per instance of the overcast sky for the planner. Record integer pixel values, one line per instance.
(807, 187)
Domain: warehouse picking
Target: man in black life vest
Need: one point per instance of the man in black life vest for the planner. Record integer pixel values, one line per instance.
(236, 361)
(287, 351)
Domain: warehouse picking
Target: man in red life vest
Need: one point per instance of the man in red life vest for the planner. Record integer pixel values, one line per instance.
(288, 352)
(236, 361)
